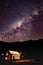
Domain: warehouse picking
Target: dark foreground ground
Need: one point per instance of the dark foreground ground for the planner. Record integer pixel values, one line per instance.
(32, 58)
(38, 62)
(33, 52)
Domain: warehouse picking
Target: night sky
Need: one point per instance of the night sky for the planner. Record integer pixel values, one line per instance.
(21, 20)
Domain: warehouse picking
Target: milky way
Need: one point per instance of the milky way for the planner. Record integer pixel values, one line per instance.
(24, 24)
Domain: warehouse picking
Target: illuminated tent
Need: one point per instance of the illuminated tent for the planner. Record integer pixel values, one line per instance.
(15, 54)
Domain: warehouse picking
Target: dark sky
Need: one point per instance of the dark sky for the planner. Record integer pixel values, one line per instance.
(12, 11)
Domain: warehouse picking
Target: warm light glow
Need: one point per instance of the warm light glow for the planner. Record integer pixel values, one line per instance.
(14, 52)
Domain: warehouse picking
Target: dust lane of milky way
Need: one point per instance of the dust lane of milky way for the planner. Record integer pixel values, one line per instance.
(21, 20)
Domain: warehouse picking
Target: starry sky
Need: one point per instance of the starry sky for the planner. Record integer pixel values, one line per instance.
(17, 17)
